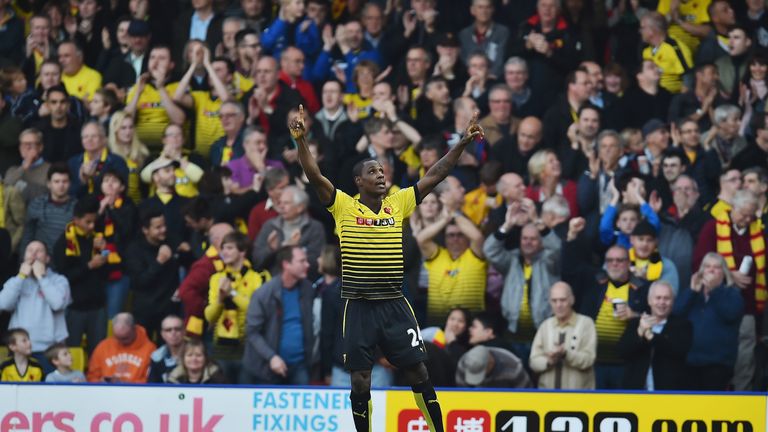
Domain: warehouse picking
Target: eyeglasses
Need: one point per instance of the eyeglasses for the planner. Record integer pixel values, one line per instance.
(616, 260)
(454, 235)
(172, 329)
(500, 101)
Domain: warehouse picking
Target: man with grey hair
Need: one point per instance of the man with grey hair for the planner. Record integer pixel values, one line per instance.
(530, 267)
(294, 226)
(727, 140)
(124, 357)
(524, 102)
(564, 349)
(485, 35)
(230, 146)
(739, 237)
(499, 123)
(655, 345)
(672, 57)
(680, 226)
(87, 168)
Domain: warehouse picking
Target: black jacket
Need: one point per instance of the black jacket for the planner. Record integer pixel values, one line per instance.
(88, 286)
(665, 353)
(153, 283)
(177, 231)
(120, 70)
(590, 283)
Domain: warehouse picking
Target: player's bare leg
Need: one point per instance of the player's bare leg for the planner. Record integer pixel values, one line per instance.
(362, 408)
(424, 393)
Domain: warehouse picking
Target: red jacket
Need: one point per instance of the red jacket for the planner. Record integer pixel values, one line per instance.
(305, 89)
(569, 193)
(194, 288)
(258, 216)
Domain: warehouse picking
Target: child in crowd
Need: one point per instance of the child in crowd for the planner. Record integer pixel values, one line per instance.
(617, 224)
(61, 358)
(20, 366)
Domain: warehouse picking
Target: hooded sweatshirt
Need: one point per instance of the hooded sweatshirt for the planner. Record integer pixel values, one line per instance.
(122, 363)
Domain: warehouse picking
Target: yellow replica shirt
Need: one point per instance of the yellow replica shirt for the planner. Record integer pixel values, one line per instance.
(9, 372)
(526, 330)
(673, 59)
(474, 205)
(230, 323)
(85, 81)
(454, 282)
(692, 12)
(609, 328)
(241, 84)
(362, 104)
(372, 244)
(207, 121)
(151, 116)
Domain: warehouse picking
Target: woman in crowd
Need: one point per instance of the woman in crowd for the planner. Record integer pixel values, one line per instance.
(544, 169)
(715, 307)
(196, 367)
(124, 142)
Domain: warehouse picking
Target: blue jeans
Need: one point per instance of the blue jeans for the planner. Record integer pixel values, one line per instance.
(298, 374)
(117, 292)
(380, 377)
(608, 376)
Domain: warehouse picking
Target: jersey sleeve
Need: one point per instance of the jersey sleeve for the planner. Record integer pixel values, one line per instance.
(405, 200)
(340, 201)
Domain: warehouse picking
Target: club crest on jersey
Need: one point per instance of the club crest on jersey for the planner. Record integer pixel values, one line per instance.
(388, 210)
(375, 222)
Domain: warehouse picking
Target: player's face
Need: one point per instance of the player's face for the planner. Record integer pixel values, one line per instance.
(372, 179)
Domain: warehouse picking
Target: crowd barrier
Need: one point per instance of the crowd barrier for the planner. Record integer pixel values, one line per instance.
(113, 408)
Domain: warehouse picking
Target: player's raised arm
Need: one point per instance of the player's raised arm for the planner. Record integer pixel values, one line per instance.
(323, 186)
(443, 167)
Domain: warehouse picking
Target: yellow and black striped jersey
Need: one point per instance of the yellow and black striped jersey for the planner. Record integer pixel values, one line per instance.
(372, 244)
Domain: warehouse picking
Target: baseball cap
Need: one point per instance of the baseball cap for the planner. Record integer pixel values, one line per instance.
(475, 363)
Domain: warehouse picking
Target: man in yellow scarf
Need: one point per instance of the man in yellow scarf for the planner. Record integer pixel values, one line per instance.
(738, 235)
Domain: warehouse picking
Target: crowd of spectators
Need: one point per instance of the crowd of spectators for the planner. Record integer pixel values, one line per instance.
(608, 231)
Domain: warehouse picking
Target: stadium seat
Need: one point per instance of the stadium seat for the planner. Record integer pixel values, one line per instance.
(3, 352)
(79, 358)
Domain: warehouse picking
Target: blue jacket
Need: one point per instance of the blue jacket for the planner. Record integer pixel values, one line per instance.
(715, 325)
(275, 38)
(78, 189)
(322, 70)
(217, 149)
(610, 235)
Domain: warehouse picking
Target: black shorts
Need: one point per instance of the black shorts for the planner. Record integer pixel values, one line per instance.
(388, 324)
